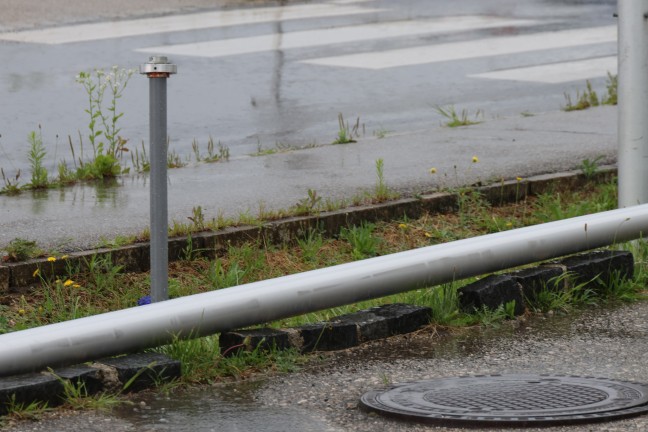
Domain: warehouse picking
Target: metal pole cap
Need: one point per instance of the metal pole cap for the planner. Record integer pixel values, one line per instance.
(158, 67)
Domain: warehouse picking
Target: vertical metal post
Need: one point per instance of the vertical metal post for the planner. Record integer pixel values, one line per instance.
(633, 102)
(158, 69)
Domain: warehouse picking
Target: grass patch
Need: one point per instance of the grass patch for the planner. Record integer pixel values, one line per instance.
(455, 119)
(103, 287)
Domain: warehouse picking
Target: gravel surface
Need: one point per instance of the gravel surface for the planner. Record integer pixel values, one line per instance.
(608, 343)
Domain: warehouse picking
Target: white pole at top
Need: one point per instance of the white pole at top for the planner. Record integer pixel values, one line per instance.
(633, 102)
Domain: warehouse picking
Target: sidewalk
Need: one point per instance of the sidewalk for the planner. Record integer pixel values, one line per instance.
(79, 217)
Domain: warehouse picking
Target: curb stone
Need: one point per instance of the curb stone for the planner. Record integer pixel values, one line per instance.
(17, 277)
(594, 269)
(341, 332)
(147, 369)
(380, 322)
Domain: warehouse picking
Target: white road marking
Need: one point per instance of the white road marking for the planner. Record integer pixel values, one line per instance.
(558, 72)
(174, 23)
(322, 37)
(472, 49)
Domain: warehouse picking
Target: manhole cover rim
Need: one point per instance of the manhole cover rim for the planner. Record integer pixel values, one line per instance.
(616, 408)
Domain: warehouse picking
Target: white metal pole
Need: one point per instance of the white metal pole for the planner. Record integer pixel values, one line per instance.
(260, 302)
(633, 102)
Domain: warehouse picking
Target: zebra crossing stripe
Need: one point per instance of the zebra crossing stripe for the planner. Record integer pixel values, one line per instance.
(176, 23)
(337, 35)
(557, 73)
(487, 47)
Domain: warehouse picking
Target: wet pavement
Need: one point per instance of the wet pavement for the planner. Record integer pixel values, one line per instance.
(255, 78)
(261, 85)
(259, 77)
(81, 216)
(608, 342)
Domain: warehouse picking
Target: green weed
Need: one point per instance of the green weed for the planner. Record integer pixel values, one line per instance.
(590, 167)
(11, 186)
(345, 133)
(308, 205)
(25, 411)
(36, 156)
(589, 98)
(20, 249)
(364, 244)
(454, 119)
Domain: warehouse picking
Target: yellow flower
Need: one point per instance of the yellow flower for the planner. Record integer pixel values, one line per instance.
(475, 159)
(40, 309)
(65, 257)
(428, 235)
(509, 224)
(433, 170)
(51, 259)
(518, 179)
(402, 226)
(68, 282)
(36, 273)
(77, 286)
(21, 311)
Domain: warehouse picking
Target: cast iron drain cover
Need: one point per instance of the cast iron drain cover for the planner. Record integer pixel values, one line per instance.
(510, 400)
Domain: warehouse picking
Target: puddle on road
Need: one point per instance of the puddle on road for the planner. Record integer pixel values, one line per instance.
(229, 408)
(237, 407)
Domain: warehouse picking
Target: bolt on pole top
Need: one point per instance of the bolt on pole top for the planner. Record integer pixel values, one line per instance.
(158, 67)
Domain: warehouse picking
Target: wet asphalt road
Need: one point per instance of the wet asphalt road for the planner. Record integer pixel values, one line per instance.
(277, 95)
(287, 90)
(607, 343)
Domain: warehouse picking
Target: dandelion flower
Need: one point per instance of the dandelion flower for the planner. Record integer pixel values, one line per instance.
(51, 259)
(509, 224)
(36, 273)
(68, 282)
(402, 226)
(518, 179)
(428, 235)
(475, 159)
(433, 170)
(65, 257)
(76, 285)
(21, 311)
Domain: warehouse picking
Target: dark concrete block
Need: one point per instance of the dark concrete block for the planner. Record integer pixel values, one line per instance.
(264, 339)
(145, 369)
(87, 375)
(132, 258)
(492, 291)
(387, 320)
(602, 265)
(508, 191)
(5, 274)
(29, 388)
(535, 279)
(329, 336)
(369, 325)
(404, 318)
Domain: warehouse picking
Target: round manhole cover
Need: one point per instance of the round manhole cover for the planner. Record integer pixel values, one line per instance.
(515, 400)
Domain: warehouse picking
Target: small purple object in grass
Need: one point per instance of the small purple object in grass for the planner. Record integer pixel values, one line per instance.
(144, 300)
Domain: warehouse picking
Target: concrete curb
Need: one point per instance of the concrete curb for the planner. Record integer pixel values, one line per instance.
(19, 277)
(129, 373)
(594, 269)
